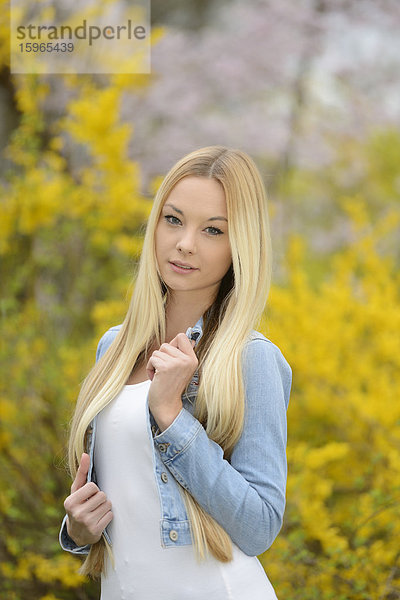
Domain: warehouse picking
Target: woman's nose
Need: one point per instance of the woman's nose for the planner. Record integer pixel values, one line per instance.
(187, 242)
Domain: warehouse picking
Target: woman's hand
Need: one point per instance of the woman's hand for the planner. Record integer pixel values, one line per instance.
(170, 369)
(88, 509)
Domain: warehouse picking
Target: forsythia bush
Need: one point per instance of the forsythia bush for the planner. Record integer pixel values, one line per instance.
(341, 530)
(69, 234)
(69, 237)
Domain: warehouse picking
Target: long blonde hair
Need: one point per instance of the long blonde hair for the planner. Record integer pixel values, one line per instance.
(241, 300)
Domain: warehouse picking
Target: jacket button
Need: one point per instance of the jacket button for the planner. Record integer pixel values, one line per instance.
(173, 535)
(162, 447)
(164, 477)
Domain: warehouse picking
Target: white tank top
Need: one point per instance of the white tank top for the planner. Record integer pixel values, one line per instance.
(144, 570)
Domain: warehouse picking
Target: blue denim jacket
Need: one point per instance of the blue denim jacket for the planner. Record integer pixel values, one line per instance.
(245, 495)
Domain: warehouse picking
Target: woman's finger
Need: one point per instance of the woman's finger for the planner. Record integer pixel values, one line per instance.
(169, 349)
(81, 474)
(95, 501)
(182, 342)
(105, 520)
(154, 363)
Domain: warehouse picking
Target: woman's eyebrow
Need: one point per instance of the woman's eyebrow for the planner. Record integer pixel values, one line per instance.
(181, 213)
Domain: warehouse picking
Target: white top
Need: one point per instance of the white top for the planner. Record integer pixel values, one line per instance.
(144, 570)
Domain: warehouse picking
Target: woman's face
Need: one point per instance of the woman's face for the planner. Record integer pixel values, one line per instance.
(193, 229)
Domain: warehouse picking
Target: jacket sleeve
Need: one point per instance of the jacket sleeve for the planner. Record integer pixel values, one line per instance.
(246, 495)
(66, 542)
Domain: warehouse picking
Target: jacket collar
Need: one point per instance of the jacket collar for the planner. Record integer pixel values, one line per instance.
(196, 331)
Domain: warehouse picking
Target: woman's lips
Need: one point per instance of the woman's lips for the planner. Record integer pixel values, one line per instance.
(181, 269)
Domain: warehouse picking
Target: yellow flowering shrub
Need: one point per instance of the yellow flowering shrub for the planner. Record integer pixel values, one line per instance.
(71, 225)
(342, 522)
(69, 238)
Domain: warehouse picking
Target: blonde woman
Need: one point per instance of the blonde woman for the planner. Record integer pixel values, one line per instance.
(178, 442)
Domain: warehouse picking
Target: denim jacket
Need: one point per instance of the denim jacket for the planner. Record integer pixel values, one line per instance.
(245, 495)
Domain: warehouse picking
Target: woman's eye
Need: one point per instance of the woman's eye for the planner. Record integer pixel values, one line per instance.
(214, 230)
(171, 217)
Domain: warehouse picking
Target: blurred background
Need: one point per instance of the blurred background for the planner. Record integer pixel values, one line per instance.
(311, 90)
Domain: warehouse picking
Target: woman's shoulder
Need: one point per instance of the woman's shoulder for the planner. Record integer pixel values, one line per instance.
(259, 349)
(265, 343)
(110, 334)
(106, 340)
(265, 365)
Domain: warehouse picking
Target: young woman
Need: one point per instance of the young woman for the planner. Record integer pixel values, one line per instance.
(178, 442)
